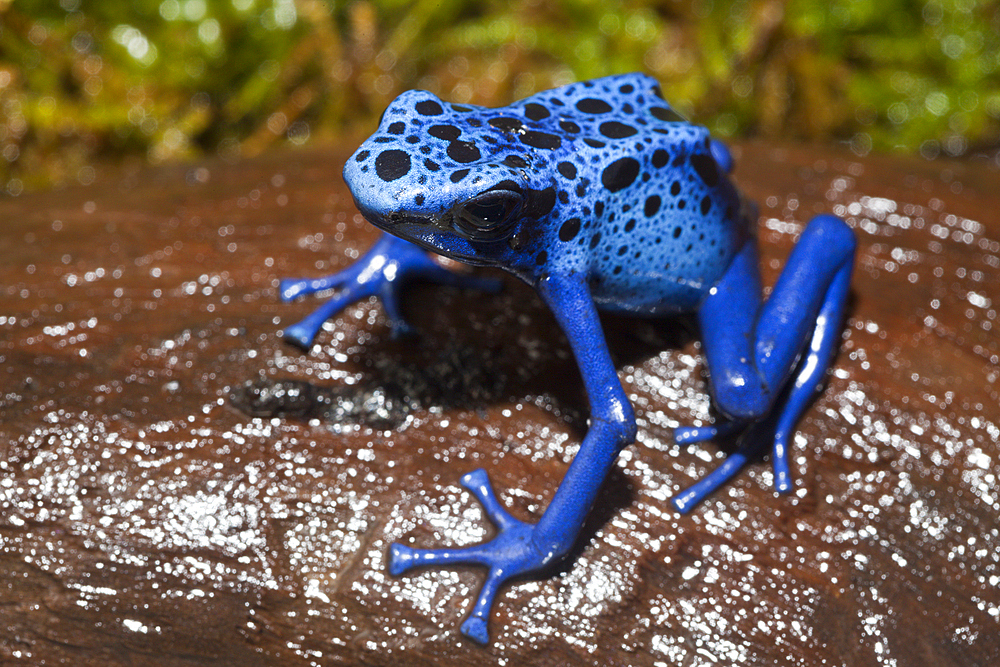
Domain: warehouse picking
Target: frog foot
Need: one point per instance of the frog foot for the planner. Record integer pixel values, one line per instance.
(774, 429)
(383, 272)
(513, 551)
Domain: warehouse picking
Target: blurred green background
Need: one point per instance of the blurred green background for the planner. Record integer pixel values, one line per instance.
(88, 84)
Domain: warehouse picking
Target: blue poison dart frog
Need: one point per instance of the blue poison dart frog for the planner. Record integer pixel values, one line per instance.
(601, 197)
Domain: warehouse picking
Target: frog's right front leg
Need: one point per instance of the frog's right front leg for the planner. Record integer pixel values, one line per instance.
(520, 548)
(383, 271)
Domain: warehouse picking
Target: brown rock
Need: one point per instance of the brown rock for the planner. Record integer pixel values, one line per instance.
(145, 520)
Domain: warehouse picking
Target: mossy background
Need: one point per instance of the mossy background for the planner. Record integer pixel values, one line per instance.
(86, 84)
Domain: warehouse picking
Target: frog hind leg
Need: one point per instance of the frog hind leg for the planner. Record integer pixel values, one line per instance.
(752, 349)
(383, 272)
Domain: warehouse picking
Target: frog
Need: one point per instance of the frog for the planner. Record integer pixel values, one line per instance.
(603, 198)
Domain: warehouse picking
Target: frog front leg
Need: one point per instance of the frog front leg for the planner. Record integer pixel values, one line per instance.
(753, 348)
(520, 548)
(383, 272)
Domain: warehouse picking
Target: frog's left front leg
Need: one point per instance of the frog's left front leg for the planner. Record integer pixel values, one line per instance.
(521, 548)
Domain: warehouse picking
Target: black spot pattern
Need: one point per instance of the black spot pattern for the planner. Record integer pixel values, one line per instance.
(536, 111)
(593, 105)
(567, 170)
(392, 164)
(652, 206)
(428, 108)
(446, 132)
(666, 115)
(615, 130)
(541, 140)
(506, 124)
(463, 151)
(610, 178)
(569, 230)
(706, 168)
(620, 174)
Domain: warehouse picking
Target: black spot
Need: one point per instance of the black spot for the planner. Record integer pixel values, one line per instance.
(505, 124)
(456, 176)
(652, 206)
(657, 91)
(594, 143)
(431, 165)
(618, 269)
(569, 126)
(541, 203)
(677, 232)
(622, 250)
(463, 151)
(627, 88)
(362, 156)
(419, 200)
(563, 197)
(594, 240)
(675, 188)
(429, 108)
(682, 204)
(619, 174)
(599, 208)
(567, 169)
(383, 140)
(515, 161)
(396, 128)
(569, 229)
(558, 102)
(581, 188)
(541, 139)
(616, 130)
(660, 158)
(593, 105)
(630, 225)
(535, 111)
(706, 204)
(706, 168)
(541, 258)
(446, 132)
(666, 115)
(413, 139)
(392, 164)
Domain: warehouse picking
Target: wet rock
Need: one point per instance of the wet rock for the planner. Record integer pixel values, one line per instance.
(145, 520)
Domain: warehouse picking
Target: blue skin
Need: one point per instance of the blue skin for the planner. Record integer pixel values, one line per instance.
(602, 198)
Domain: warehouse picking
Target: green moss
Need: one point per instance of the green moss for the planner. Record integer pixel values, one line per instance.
(84, 83)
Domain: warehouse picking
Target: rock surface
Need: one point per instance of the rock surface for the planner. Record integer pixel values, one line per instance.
(144, 519)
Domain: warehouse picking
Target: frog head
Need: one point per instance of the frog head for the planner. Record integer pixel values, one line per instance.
(446, 177)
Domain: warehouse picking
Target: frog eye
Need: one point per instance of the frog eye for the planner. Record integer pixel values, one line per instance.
(485, 216)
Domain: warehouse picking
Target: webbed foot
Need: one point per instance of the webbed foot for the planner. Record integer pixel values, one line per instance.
(383, 271)
(513, 551)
